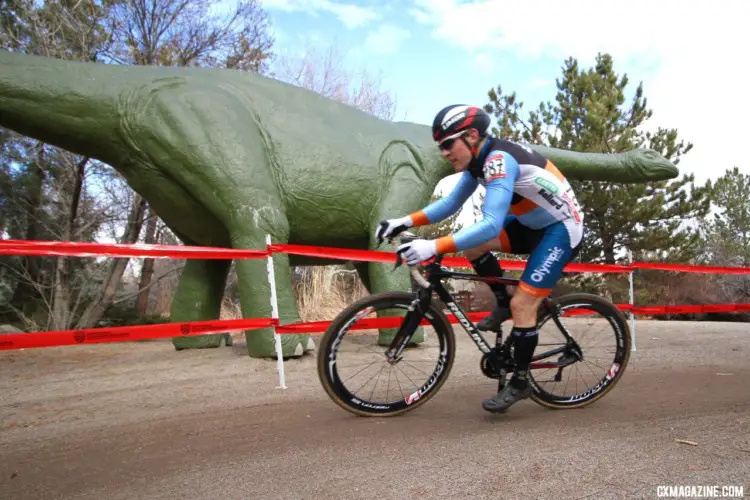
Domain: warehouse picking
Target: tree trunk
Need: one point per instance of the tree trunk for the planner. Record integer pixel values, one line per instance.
(99, 306)
(61, 313)
(27, 291)
(141, 304)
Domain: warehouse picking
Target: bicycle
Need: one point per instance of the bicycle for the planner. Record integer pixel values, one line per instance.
(496, 361)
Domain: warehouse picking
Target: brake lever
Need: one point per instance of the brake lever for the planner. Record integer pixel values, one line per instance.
(406, 237)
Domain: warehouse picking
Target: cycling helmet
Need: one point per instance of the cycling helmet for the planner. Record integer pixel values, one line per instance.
(452, 121)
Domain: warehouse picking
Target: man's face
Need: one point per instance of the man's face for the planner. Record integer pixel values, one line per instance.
(457, 152)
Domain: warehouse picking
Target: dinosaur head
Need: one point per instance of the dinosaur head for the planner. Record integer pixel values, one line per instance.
(659, 168)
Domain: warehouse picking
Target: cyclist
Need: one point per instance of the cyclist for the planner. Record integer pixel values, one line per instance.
(529, 208)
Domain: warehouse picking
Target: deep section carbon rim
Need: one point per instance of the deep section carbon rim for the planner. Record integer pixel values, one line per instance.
(353, 367)
(597, 359)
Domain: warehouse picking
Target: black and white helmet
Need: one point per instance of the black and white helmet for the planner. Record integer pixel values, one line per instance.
(454, 120)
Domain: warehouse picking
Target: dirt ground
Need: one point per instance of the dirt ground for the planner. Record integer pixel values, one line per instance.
(142, 421)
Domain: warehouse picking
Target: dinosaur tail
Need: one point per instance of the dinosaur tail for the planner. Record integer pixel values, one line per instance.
(69, 104)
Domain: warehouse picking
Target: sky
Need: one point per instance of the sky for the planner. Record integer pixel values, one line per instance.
(691, 57)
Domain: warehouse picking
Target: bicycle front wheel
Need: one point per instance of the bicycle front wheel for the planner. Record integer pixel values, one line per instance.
(355, 372)
(576, 367)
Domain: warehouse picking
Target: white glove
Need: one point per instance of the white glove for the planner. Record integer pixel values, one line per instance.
(417, 251)
(391, 227)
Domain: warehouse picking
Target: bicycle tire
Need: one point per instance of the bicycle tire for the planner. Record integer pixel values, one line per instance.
(621, 332)
(330, 340)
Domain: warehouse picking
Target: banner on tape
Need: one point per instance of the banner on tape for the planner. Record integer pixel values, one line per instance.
(77, 249)
(128, 333)
(168, 330)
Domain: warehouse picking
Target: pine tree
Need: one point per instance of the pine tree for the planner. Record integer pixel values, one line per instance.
(590, 114)
(727, 236)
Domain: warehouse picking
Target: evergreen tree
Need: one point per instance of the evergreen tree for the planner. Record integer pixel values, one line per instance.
(727, 236)
(590, 114)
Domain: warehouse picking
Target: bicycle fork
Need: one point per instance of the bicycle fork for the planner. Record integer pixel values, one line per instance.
(409, 325)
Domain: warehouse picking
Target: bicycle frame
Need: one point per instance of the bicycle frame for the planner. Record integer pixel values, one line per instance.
(432, 281)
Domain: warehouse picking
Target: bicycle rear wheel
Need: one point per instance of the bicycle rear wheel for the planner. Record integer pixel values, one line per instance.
(595, 366)
(348, 350)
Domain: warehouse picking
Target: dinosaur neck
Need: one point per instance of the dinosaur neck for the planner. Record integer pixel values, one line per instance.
(435, 167)
(68, 104)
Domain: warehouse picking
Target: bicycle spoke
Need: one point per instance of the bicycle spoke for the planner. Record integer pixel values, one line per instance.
(400, 389)
(409, 364)
(376, 383)
(367, 382)
(589, 362)
(588, 365)
(598, 332)
(363, 369)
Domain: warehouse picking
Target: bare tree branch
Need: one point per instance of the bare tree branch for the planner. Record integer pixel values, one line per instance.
(324, 73)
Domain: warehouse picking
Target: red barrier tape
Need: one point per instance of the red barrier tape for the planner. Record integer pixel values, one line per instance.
(334, 253)
(184, 329)
(692, 309)
(691, 268)
(366, 324)
(77, 249)
(390, 257)
(128, 333)
(393, 322)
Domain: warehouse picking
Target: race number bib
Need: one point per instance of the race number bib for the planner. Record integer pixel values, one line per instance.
(494, 167)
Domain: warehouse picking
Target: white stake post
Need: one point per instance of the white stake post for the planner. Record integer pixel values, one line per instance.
(632, 300)
(275, 315)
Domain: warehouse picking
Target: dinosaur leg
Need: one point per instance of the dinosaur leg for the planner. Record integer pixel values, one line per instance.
(213, 145)
(198, 298)
(255, 293)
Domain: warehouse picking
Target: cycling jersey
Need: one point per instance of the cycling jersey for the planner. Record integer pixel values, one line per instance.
(519, 181)
(529, 205)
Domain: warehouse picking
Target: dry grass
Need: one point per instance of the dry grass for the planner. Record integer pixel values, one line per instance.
(230, 309)
(321, 293)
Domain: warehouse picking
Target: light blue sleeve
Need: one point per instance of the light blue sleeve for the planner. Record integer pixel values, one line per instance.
(501, 171)
(443, 208)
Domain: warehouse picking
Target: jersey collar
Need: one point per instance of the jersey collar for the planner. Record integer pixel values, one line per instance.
(475, 167)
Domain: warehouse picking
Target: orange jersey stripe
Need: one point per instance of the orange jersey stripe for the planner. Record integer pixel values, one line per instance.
(551, 168)
(534, 291)
(419, 218)
(446, 244)
(523, 207)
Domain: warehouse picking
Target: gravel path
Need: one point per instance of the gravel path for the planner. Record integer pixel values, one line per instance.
(141, 421)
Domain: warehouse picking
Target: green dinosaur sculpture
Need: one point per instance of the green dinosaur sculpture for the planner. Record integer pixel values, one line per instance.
(226, 157)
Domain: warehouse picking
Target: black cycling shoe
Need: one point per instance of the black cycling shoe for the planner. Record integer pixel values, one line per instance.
(506, 398)
(494, 321)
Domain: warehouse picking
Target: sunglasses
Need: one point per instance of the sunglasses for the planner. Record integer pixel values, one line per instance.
(448, 144)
